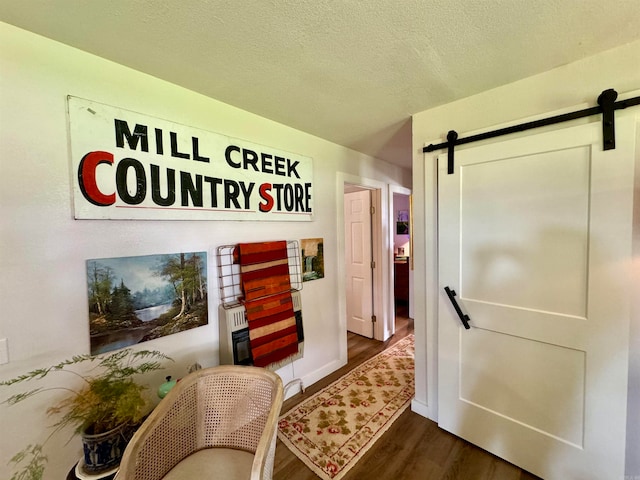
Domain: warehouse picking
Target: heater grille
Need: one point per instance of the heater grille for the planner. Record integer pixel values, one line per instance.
(234, 332)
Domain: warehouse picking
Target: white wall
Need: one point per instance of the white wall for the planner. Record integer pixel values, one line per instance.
(43, 249)
(574, 85)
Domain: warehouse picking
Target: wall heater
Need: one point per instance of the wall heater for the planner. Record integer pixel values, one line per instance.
(234, 333)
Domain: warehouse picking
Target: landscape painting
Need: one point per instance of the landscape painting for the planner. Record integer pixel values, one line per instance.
(135, 299)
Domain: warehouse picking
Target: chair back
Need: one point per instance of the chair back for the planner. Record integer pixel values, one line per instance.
(226, 406)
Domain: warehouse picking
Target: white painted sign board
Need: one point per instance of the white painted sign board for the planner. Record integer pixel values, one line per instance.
(127, 165)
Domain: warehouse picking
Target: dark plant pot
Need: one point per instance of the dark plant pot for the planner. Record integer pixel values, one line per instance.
(104, 451)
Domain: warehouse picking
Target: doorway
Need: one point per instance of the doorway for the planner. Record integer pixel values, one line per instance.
(379, 282)
(382, 249)
(402, 255)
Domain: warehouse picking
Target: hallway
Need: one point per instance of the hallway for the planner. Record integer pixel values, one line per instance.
(414, 448)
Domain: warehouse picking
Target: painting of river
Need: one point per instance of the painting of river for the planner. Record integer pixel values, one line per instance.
(137, 299)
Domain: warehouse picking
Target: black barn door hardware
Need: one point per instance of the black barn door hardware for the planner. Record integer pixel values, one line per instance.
(607, 105)
(463, 317)
(452, 136)
(607, 101)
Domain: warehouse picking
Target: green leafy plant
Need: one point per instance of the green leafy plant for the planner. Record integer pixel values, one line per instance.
(107, 397)
(34, 463)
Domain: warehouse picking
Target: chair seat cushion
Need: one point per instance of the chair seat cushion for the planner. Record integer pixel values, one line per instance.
(223, 463)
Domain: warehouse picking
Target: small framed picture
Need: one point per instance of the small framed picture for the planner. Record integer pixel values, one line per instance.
(402, 228)
(312, 258)
(402, 224)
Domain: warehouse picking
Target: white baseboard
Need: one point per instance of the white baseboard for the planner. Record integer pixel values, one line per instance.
(420, 408)
(319, 374)
(309, 378)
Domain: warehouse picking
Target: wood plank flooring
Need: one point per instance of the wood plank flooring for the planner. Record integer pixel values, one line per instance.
(414, 448)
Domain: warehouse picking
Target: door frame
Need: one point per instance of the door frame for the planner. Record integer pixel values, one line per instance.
(396, 189)
(425, 176)
(381, 244)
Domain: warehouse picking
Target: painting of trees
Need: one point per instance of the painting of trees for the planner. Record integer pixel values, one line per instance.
(135, 299)
(186, 277)
(100, 279)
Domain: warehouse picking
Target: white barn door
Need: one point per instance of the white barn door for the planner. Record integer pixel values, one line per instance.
(535, 240)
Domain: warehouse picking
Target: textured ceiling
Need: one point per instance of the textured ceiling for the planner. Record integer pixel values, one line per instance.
(350, 71)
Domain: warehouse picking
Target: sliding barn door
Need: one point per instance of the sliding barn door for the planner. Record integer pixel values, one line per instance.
(535, 243)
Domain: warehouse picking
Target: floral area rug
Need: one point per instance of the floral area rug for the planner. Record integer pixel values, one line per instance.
(333, 429)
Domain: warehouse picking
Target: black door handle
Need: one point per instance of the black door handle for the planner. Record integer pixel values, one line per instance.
(463, 317)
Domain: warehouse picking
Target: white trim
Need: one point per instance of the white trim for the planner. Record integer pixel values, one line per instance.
(420, 408)
(425, 263)
(378, 248)
(316, 375)
(633, 406)
(381, 275)
(391, 221)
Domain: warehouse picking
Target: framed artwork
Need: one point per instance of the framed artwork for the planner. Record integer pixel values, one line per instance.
(312, 250)
(402, 223)
(135, 299)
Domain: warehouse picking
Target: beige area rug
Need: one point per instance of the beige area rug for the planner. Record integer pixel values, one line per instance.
(333, 429)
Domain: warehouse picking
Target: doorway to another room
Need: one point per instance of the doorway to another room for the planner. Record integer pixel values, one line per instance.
(401, 210)
(364, 249)
(377, 259)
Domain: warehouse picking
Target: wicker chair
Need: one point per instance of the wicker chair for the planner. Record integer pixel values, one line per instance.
(220, 422)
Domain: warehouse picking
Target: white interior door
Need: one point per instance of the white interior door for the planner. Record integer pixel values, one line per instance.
(358, 257)
(535, 239)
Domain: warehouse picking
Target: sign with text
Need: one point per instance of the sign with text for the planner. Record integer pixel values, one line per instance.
(132, 166)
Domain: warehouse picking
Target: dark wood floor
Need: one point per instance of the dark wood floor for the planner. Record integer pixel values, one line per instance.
(414, 448)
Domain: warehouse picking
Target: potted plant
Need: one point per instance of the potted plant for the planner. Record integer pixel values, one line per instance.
(106, 407)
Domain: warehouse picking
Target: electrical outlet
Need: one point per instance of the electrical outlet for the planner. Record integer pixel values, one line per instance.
(4, 351)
